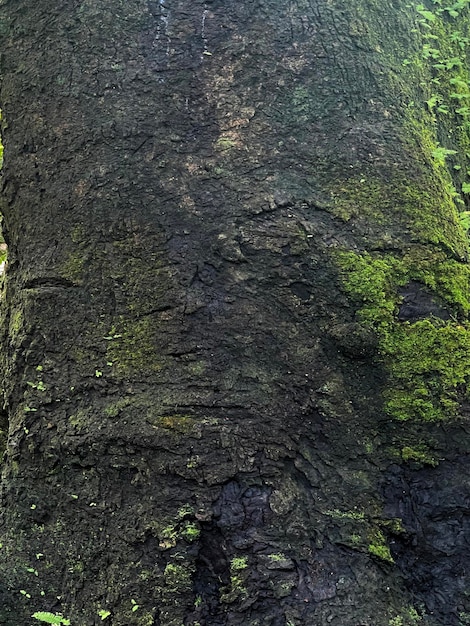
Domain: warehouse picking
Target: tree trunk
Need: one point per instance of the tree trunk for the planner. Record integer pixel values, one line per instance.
(235, 337)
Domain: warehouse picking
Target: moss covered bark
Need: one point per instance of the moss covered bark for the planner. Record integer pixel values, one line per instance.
(235, 316)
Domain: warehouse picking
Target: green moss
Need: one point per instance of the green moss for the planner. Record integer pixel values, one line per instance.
(428, 361)
(80, 419)
(372, 282)
(185, 511)
(393, 525)
(177, 529)
(79, 233)
(431, 214)
(276, 558)
(235, 590)
(237, 587)
(357, 196)
(168, 536)
(378, 547)
(126, 613)
(438, 119)
(133, 347)
(350, 515)
(419, 454)
(178, 578)
(445, 276)
(190, 532)
(282, 588)
(423, 206)
(238, 563)
(413, 615)
(73, 268)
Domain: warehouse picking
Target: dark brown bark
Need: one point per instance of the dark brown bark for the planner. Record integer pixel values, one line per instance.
(195, 414)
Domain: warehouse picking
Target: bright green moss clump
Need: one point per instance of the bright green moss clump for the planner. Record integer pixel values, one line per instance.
(427, 360)
(373, 282)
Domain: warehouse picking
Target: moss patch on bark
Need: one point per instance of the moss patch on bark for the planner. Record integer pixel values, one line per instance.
(428, 360)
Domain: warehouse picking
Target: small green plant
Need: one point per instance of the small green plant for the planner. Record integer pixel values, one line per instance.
(464, 219)
(428, 15)
(51, 618)
(184, 511)
(381, 551)
(104, 614)
(413, 615)
(238, 563)
(168, 537)
(440, 154)
(378, 546)
(432, 102)
(40, 386)
(190, 532)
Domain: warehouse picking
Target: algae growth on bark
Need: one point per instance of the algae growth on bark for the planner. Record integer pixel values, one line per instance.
(234, 323)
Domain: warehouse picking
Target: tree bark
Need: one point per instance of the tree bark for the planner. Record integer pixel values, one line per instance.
(234, 327)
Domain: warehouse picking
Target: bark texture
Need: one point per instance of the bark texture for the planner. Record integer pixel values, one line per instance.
(235, 347)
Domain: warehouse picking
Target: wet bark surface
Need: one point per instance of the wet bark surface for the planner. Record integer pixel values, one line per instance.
(195, 421)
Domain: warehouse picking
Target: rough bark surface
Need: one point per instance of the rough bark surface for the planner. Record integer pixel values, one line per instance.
(197, 420)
